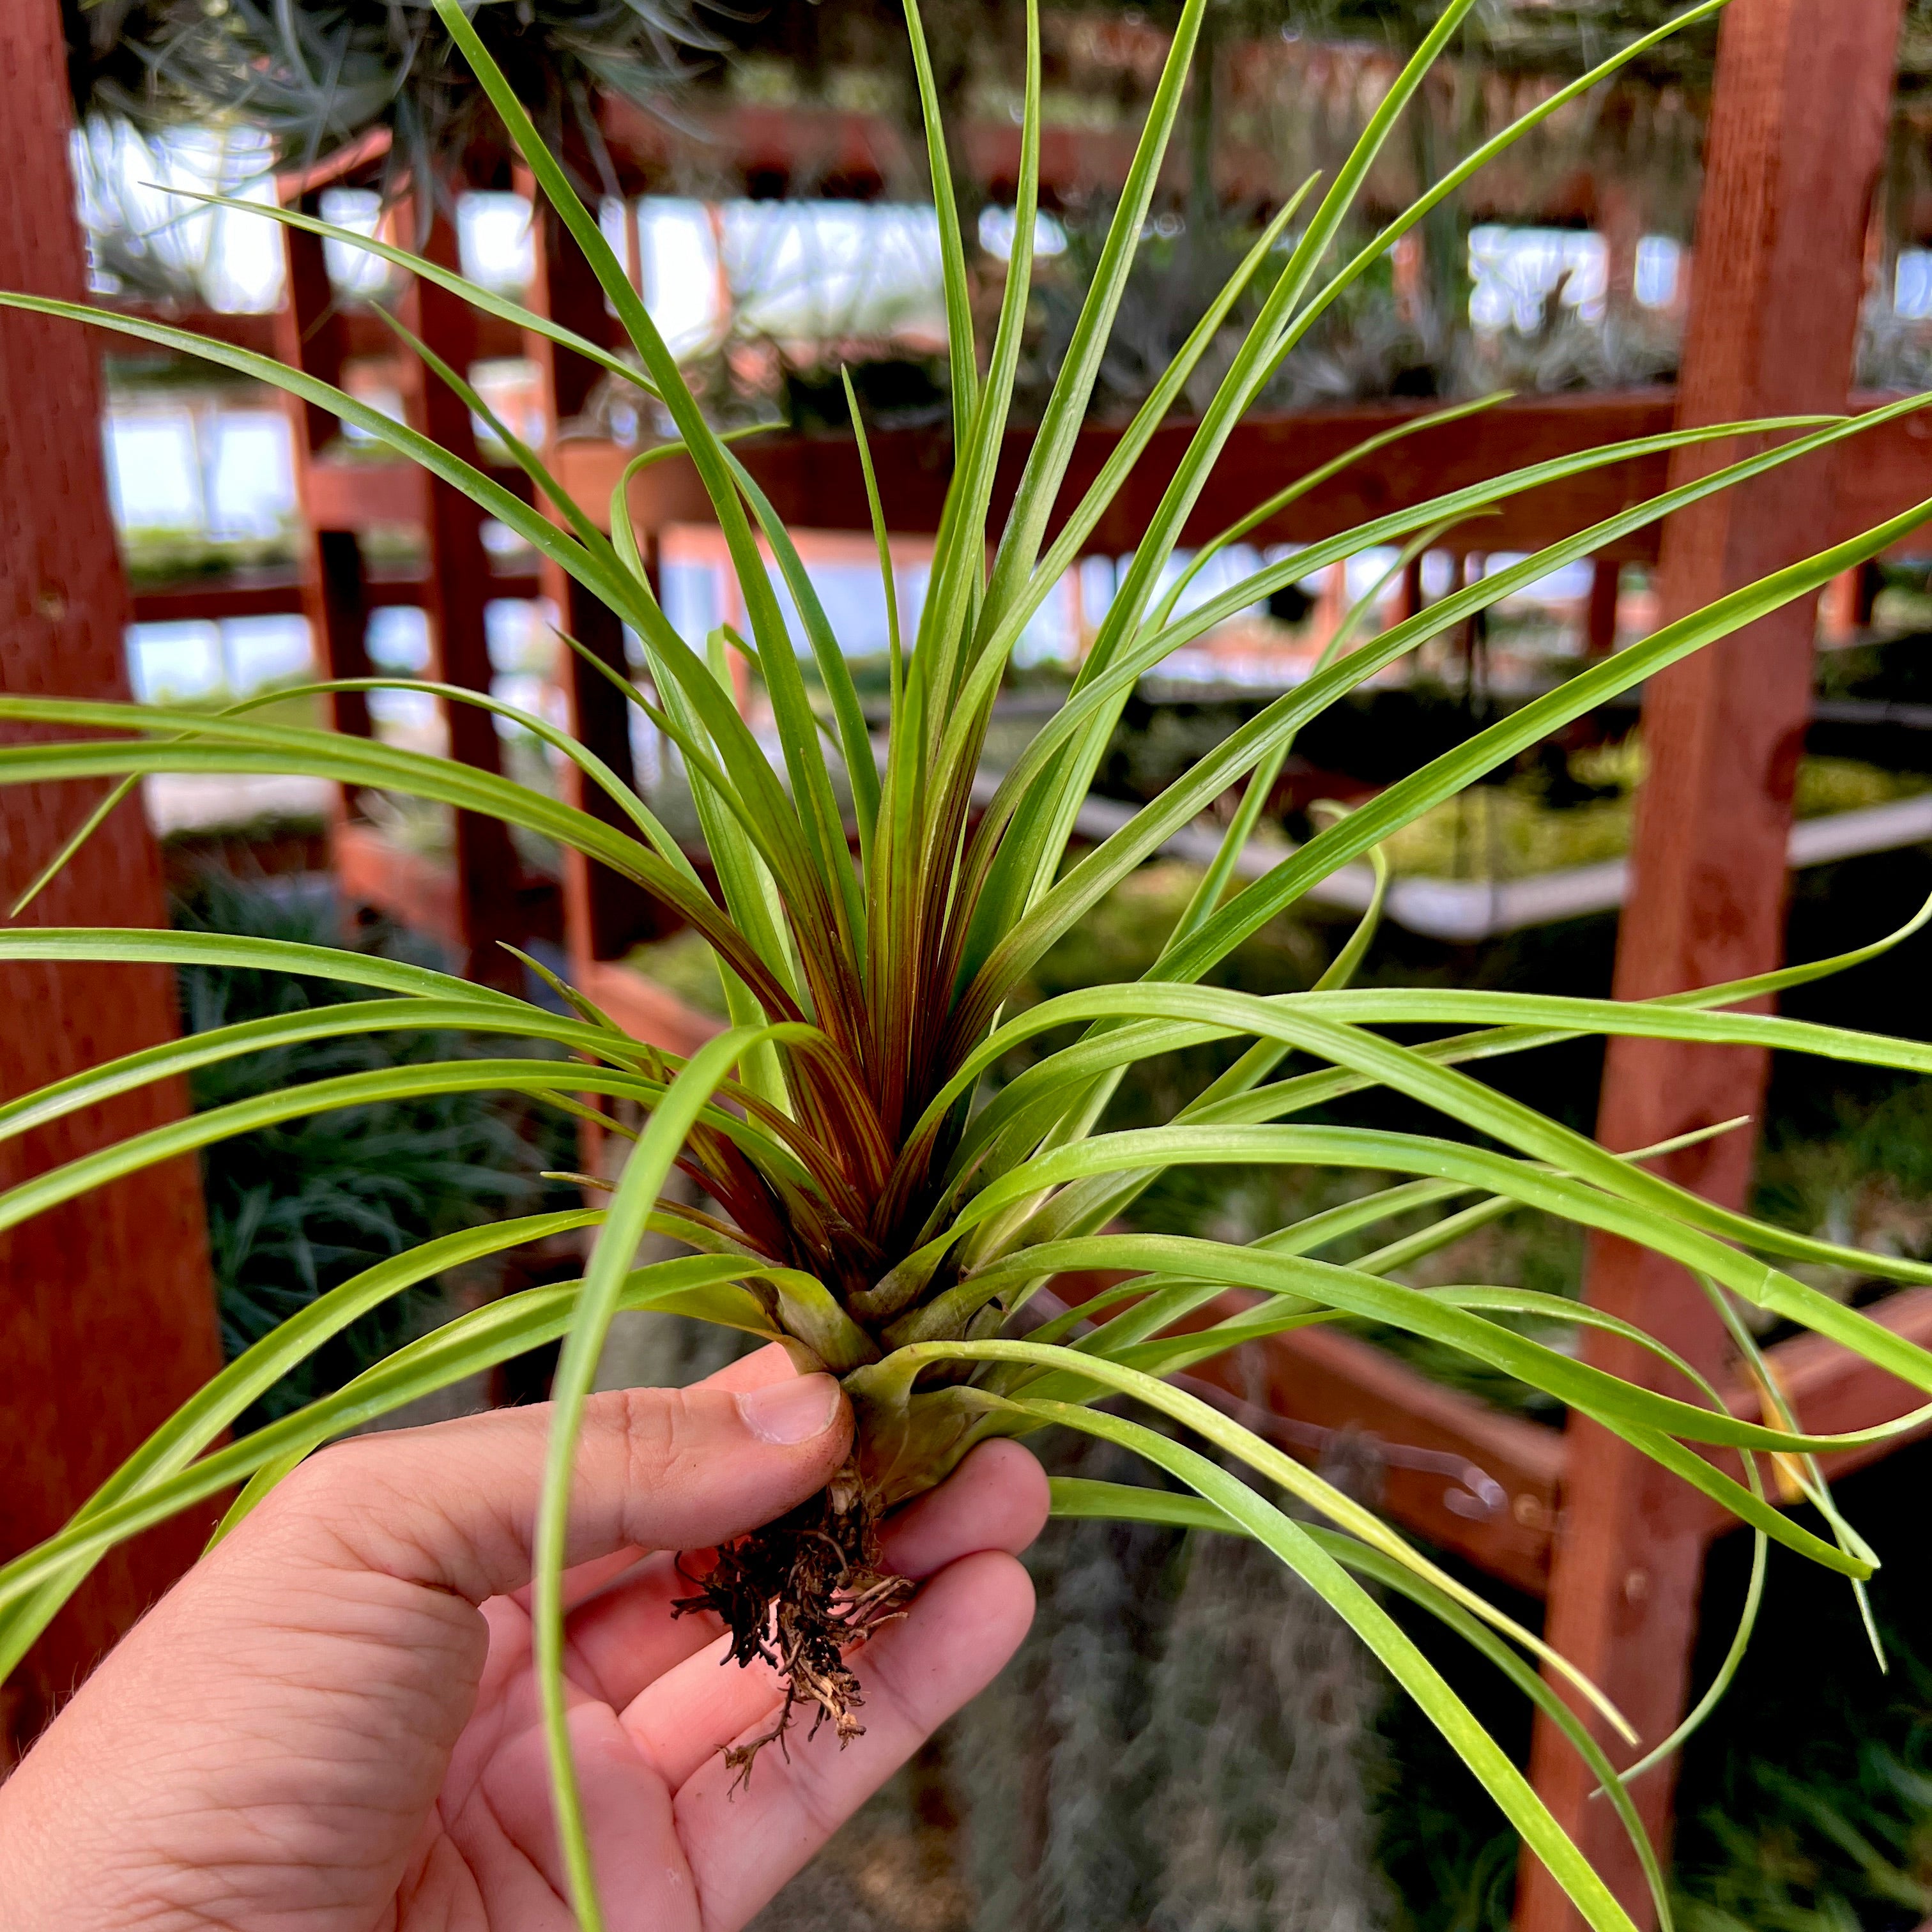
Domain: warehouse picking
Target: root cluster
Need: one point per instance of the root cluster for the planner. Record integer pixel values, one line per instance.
(800, 1595)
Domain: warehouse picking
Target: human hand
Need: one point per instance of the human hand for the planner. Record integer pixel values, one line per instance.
(331, 1723)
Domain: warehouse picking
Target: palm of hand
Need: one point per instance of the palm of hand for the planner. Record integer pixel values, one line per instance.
(332, 1723)
(653, 1702)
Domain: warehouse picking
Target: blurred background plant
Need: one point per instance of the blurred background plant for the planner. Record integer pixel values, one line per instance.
(293, 1210)
(315, 79)
(1804, 1806)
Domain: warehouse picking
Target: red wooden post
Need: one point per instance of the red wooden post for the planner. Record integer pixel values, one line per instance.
(1845, 605)
(1838, 610)
(488, 871)
(311, 335)
(106, 1322)
(1409, 599)
(1599, 624)
(603, 914)
(1803, 93)
(1620, 222)
(1871, 581)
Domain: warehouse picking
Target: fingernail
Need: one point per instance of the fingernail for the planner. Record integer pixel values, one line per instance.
(791, 1412)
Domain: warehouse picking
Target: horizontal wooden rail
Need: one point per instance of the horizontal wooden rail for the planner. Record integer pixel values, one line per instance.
(277, 593)
(366, 336)
(419, 891)
(1468, 1477)
(378, 493)
(815, 482)
(808, 148)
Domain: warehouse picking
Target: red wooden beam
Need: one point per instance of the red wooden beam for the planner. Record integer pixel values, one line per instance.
(1802, 101)
(1466, 1476)
(311, 335)
(277, 593)
(358, 493)
(489, 873)
(604, 914)
(107, 1318)
(364, 333)
(810, 149)
(815, 483)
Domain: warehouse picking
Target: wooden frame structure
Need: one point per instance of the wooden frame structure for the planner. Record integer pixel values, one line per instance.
(1795, 138)
(106, 1316)
(488, 898)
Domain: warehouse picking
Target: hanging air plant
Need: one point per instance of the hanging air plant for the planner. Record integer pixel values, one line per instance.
(875, 1206)
(318, 77)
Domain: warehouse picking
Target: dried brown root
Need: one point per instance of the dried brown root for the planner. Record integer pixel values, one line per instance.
(800, 1595)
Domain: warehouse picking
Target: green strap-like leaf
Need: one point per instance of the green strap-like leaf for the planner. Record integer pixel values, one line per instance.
(1247, 371)
(1066, 547)
(555, 1081)
(708, 453)
(1320, 1570)
(1479, 158)
(880, 1385)
(228, 744)
(855, 743)
(894, 646)
(118, 945)
(1312, 1090)
(173, 1057)
(481, 488)
(1077, 1499)
(651, 828)
(1188, 1017)
(1304, 1237)
(1247, 1507)
(688, 1098)
(1090, 880)
(1054, 804)
(1065, 410)
(486, 300)
(697, 1285)
(1619, 1406)
(1088, 716)
(960, 356)
(1164, 1300)
(1293, 493)
(215, 1405)
(954, 594)
(1260, 788)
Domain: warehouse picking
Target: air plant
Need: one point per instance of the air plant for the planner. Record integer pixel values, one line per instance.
(319, 78)
(872, 1205)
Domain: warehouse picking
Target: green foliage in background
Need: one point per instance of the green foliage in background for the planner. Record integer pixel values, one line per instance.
(297, 1209)
(1804, 1805)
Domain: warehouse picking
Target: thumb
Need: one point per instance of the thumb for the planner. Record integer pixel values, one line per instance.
(454, 1506)
(273, 1735)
